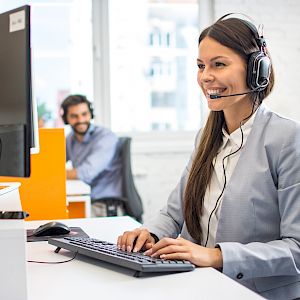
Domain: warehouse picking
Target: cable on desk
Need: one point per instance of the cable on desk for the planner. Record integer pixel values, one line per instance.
(53, 262)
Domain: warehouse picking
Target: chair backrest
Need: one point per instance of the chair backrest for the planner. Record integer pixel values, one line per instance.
(133, 203)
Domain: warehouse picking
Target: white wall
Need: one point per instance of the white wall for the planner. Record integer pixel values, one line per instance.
(156, 175)
(157, 166)
(157, 172)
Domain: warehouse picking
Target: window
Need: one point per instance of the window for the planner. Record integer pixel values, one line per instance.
(153, 51)
(150, 73)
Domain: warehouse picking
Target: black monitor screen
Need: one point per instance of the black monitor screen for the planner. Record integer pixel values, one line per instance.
(15, 93)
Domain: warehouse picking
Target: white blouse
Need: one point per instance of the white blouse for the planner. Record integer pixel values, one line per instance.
(230, 144)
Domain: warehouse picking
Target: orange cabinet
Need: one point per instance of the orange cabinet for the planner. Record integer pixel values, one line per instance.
(43, 195)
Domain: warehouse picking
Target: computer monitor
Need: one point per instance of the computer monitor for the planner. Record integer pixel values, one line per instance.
(18, 132)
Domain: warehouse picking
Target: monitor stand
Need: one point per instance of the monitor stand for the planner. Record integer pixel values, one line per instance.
(13, 274)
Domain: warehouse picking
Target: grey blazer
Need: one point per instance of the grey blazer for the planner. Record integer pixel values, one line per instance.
(259, 225)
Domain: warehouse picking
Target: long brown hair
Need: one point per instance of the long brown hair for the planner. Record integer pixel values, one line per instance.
(236, 35)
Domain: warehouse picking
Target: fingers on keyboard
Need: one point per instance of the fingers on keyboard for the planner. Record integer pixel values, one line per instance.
(141, 240)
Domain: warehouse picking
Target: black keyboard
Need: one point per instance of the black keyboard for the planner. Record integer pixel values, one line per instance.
(109, 252)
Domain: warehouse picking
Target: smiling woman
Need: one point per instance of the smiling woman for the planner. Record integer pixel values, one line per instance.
(225, 50)
(236, 205)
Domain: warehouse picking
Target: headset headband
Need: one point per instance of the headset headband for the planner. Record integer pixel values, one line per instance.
(261, 42)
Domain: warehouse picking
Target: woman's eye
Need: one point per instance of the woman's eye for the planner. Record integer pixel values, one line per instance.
(220, 64)
(201, 66)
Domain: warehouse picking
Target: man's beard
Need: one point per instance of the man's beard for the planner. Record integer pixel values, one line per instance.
(81, 132)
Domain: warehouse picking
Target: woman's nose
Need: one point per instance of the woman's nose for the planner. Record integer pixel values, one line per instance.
(206, 76)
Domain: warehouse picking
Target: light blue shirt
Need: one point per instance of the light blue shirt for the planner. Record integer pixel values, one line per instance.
(97, 161)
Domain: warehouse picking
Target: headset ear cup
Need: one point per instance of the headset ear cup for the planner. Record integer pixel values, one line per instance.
(65, 119)
(264, 70)
(252, 71)
(91, 110)
(258, 73)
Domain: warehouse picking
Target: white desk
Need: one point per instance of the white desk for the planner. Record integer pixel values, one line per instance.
(86, 278)
(78, 191)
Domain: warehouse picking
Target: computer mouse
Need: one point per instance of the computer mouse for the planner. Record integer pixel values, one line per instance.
(51, 228)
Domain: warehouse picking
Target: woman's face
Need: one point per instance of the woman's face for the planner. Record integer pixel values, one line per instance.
(221, 71)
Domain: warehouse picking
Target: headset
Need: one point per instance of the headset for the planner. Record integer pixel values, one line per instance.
(74, 100)
(259, 63)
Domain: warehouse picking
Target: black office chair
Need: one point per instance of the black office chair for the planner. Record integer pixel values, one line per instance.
(130, 198)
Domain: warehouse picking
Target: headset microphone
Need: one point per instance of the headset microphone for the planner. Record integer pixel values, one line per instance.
(216, 96)
(257, 89)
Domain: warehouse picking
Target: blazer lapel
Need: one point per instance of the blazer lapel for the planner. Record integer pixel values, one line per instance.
(232, 207)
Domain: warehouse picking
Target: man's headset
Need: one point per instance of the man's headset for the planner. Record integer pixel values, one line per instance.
(75, 100)
(259, 64)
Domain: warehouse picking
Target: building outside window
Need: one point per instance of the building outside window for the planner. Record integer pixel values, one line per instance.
(153, 51)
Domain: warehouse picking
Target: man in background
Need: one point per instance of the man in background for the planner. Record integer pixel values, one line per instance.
(93, 151)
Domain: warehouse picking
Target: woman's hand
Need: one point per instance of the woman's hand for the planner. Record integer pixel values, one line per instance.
(135, 240)
(181, 249)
